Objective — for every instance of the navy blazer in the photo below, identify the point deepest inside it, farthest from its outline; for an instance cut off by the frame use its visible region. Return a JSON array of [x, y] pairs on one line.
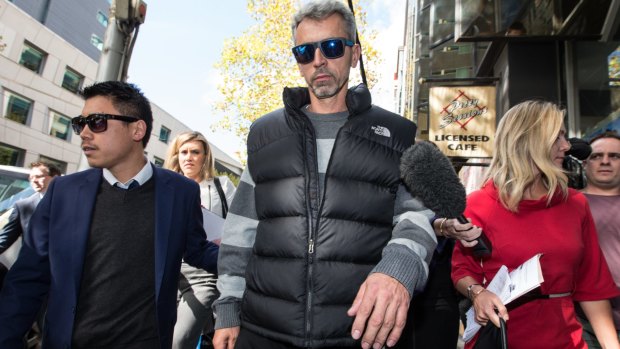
[[18, 220], [51, 259]]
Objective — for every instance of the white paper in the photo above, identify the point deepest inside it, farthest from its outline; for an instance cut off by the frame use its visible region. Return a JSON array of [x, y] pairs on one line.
[[525, 278], [213, 225], [508, 287]]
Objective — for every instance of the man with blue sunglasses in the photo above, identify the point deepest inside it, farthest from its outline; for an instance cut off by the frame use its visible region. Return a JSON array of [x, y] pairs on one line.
[[323, 246]]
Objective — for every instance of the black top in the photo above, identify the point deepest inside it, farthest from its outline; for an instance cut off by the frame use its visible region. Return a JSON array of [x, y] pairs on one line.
[[116, 304]]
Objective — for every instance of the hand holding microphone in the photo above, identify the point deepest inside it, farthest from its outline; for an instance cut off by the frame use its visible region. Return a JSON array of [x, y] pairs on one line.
[[428, 175], [467, 233]]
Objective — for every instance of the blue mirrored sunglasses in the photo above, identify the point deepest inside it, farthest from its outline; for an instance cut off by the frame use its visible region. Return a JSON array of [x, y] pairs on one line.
[[330, 48]]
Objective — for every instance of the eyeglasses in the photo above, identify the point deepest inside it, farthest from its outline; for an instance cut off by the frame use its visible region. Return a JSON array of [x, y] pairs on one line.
[[330, 48], [97, 122]]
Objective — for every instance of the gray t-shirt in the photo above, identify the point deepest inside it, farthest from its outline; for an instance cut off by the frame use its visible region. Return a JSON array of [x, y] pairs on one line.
[[326, 127]]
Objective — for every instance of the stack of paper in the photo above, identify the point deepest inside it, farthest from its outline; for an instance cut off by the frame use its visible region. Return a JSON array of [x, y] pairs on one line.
[[508, 287], [213, 225]]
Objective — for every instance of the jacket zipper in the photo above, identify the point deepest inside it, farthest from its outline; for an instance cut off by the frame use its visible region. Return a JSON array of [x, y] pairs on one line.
[[311, 235], [314, 230]]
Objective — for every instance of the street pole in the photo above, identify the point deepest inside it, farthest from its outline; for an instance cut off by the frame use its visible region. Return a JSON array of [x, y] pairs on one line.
[[113, 52], [124, 20]]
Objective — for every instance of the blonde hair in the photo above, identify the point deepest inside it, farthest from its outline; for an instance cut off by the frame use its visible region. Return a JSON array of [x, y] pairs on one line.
[[172, 158], [523, 143]]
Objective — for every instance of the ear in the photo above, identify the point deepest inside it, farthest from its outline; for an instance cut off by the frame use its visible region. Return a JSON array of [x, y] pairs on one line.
[[355, 55], [138, 131]]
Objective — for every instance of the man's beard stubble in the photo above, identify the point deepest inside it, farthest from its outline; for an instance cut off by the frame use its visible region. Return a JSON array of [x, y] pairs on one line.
[[326, 89]]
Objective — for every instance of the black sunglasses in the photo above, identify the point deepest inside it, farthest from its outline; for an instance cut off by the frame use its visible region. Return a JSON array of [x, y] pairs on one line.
[[97, 122], [330, 48]]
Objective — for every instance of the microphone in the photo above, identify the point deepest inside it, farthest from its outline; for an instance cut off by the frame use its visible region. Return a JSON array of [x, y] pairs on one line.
[[429, 176], [579, 148]]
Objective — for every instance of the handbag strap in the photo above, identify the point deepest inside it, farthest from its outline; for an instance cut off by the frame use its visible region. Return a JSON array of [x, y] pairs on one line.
[[503, 333], [220, 191]]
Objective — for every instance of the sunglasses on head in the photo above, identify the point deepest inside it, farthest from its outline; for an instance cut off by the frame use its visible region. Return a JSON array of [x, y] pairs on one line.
[[330, 48], [97, 122]]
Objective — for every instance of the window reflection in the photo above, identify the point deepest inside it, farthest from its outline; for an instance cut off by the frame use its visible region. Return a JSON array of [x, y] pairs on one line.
[[72, 81], [32, 58], [598, 77], [614, 67], [484, 19], [16, 108], [60, 126]]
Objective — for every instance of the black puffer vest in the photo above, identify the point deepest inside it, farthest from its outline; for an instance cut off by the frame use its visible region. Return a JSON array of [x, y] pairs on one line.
[[310, 258]]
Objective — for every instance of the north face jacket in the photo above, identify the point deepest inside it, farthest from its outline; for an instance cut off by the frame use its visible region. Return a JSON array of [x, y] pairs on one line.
[[309, 257]]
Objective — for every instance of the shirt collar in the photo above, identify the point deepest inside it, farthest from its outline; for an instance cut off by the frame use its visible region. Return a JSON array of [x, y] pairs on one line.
[[141, 177]]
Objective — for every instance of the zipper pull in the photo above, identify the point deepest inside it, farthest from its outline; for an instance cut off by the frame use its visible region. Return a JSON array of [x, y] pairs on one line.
[[311, 247]]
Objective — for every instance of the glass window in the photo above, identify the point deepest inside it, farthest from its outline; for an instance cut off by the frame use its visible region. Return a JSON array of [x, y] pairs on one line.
[[17, 108], [159, 162], [164, 134], [102, 18], [72, 81], [96, 41], [11, 156], [32, 58], [597, 71], [483, 19], [452, 55], [61, 126], [14, 184], [443, 72], [463, 72], [442, 21]]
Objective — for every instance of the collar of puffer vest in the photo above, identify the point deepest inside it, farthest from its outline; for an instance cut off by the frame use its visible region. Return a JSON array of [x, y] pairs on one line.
[[358, 99]]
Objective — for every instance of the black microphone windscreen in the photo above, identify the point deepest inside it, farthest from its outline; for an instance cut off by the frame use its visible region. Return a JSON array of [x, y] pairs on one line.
[[429, 176], [579, 148]]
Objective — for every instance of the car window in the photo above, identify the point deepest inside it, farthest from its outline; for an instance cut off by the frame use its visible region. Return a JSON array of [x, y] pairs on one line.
[[14, 185]]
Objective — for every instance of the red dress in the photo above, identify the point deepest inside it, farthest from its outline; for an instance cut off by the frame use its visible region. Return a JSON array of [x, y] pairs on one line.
[[572, 262]]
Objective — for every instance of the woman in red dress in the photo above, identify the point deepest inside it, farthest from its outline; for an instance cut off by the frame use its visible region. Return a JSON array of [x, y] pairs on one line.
[[525, 207]]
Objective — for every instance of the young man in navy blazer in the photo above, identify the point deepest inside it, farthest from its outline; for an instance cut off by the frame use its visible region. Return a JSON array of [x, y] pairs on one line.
[[105, 245]]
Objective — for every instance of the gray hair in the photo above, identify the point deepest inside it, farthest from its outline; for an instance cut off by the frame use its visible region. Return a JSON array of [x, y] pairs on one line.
[[321, 9]]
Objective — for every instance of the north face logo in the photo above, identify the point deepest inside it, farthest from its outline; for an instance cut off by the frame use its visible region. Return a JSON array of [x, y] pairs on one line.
[[381, 131]]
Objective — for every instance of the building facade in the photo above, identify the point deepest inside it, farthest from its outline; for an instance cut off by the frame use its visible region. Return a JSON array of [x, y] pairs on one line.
[[48, 52], [81, 23], [562, 51]]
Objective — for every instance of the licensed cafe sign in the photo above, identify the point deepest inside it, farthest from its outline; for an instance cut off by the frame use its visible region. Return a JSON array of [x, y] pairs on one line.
[[462, 120]]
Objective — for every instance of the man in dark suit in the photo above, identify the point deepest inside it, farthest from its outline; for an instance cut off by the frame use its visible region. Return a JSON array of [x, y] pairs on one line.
[[105, 245], [41, 174]]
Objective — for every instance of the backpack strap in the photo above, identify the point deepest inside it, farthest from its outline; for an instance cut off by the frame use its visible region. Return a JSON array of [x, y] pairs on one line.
[[220, 191]]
